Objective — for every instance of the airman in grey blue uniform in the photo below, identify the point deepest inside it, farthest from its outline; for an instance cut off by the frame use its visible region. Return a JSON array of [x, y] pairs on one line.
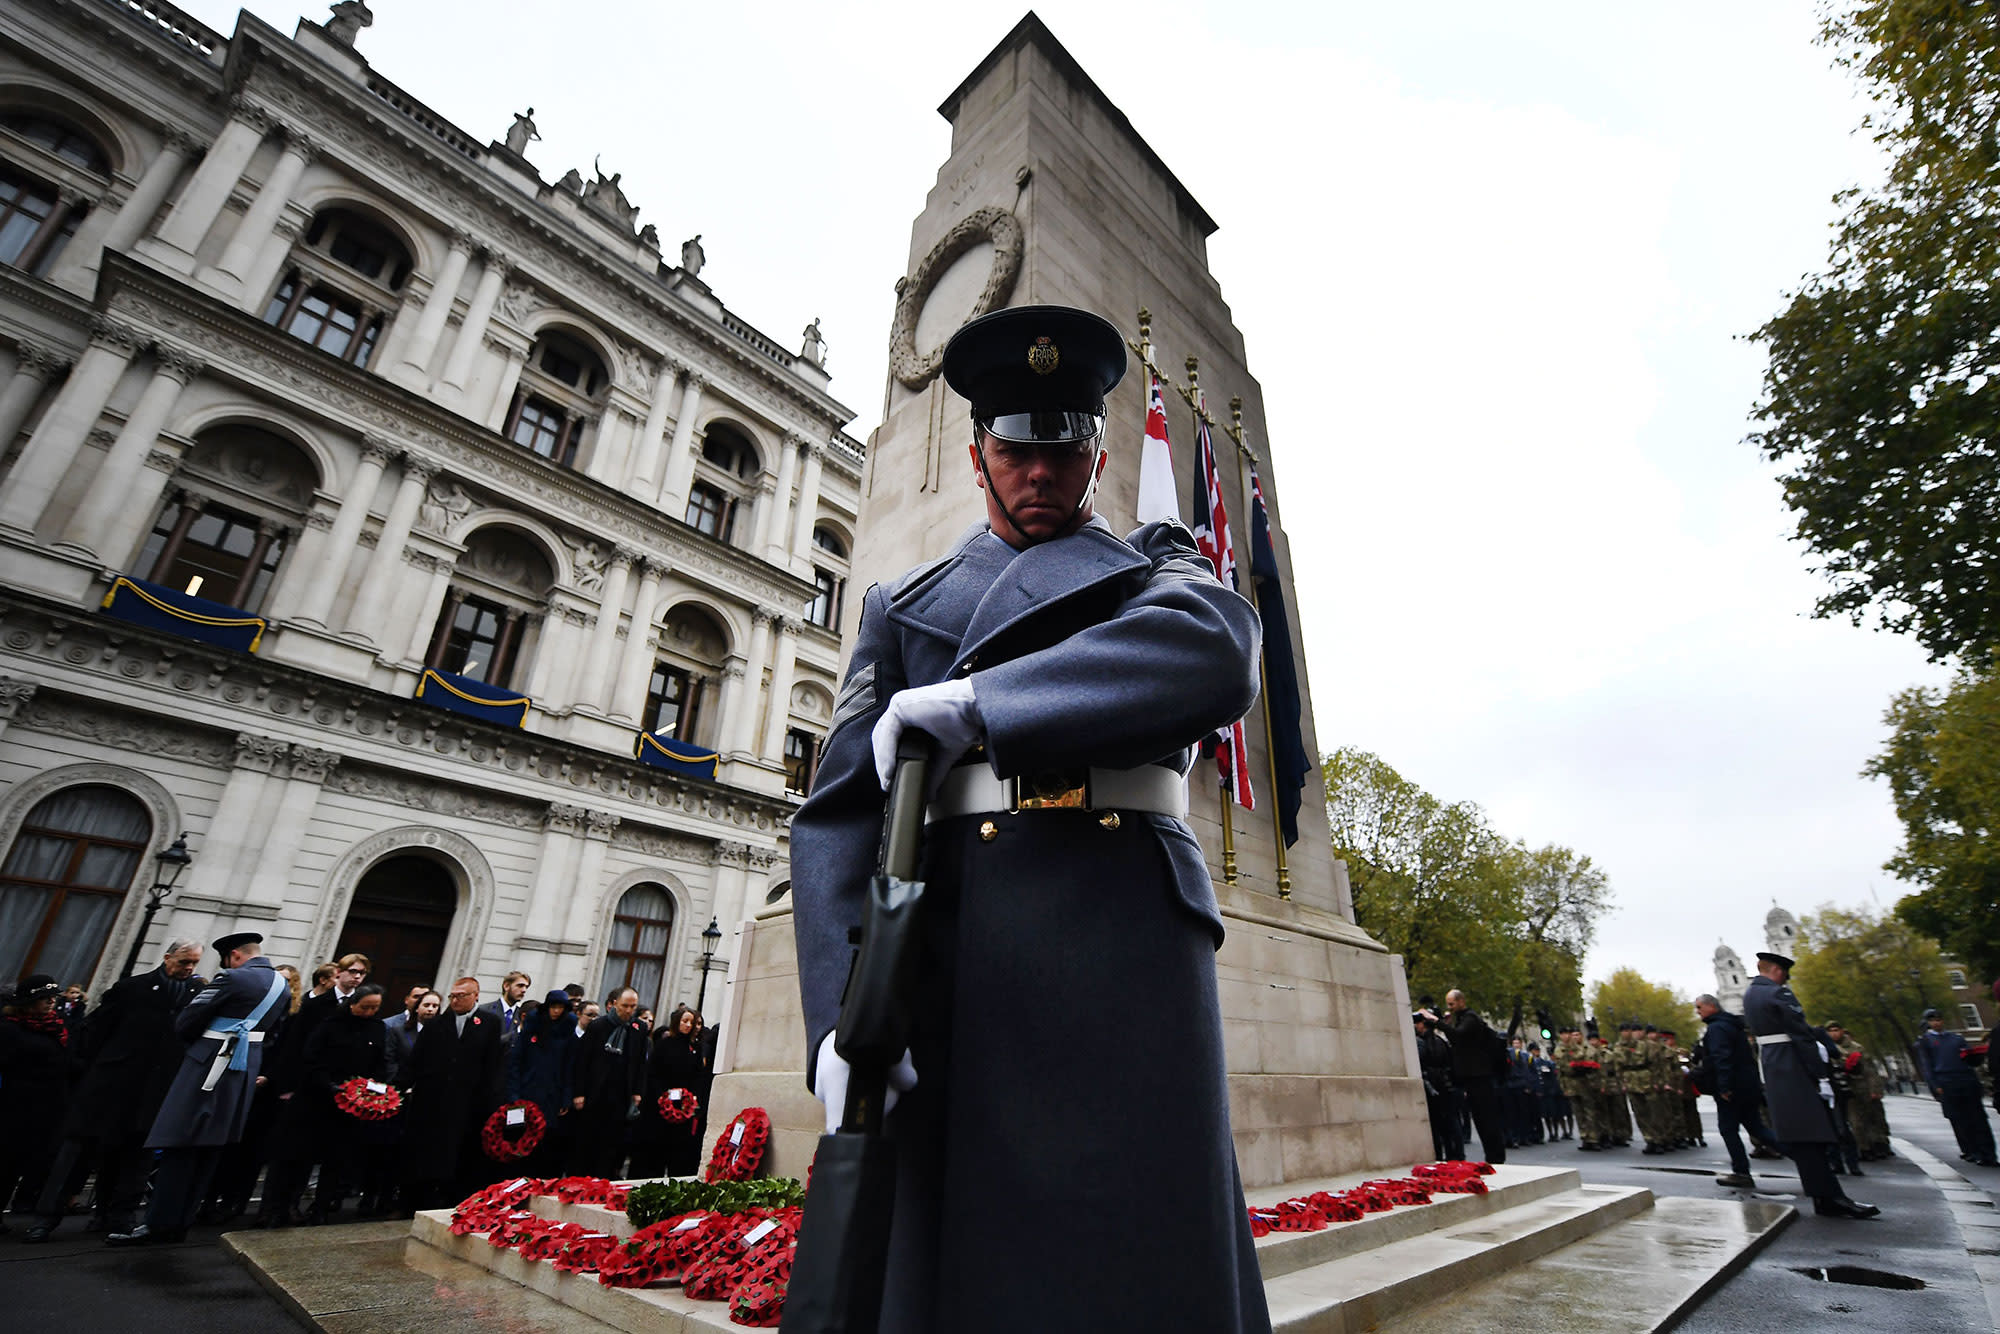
[[1795, 1071], [1064, 1146]]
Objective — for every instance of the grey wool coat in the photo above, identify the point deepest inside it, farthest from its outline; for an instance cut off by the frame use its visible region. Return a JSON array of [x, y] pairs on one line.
[[190, 1118], [1065, 1159], [1792, 1070]]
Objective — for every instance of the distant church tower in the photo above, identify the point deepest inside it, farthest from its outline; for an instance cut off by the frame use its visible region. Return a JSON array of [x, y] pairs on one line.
[[1781, 932], [1729, 979]]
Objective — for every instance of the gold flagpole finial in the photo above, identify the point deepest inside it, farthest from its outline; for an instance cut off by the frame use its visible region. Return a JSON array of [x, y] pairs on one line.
[[1194, 374], [1145, 325], [1236, 415]]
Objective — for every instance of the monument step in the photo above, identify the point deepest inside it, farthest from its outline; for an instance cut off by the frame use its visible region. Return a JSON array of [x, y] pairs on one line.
[[1642, 1274], [1359, 1291], [1282, 1253]]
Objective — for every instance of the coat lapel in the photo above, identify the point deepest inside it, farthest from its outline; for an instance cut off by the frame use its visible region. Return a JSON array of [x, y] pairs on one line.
[[943, 601], [1041, 579]]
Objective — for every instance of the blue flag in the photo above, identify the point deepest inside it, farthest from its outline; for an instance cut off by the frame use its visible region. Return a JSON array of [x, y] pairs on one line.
[[1281, 679]]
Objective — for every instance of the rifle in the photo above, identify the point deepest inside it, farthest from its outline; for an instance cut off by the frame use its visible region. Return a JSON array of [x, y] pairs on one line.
[[837, 1273]]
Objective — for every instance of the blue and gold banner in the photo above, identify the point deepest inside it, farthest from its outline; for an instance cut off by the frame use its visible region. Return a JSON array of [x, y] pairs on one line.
[[680, 757], [473, 698], [158, 607]]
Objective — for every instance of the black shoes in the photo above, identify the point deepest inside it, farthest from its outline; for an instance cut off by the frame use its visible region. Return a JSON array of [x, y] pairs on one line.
[[1736, 1179], [1839, 1206]]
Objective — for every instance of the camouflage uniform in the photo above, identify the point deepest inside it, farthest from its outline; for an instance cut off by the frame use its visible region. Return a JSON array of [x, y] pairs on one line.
[[1866, 1116], [1635, 1081], [1579, 1086], [1689, 1102], [1611, 1093]]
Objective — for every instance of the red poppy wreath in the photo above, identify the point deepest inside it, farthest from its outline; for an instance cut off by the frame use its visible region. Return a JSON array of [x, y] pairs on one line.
[[739, 1149], [679, 1107], [512, 1132], [368, 1099]]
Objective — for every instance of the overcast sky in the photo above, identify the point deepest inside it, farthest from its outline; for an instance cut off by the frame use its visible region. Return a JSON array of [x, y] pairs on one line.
[[1493, 265]]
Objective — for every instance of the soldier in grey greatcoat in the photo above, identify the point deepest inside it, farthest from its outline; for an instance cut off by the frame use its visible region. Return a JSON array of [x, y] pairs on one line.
[[1796, 1090], [1086, 1181], [224, 1027]]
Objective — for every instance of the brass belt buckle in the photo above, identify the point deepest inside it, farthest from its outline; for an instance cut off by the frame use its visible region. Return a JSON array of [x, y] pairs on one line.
[[1052, 790]]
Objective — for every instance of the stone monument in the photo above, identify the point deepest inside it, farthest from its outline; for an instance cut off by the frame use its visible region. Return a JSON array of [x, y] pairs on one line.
[[1050, 195]]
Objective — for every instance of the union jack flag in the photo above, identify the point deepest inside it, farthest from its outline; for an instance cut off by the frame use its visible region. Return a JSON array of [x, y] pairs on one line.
[[1211, 534]]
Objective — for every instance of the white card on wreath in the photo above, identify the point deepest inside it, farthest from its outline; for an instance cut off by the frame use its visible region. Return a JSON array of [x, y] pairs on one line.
[[517, 1116]]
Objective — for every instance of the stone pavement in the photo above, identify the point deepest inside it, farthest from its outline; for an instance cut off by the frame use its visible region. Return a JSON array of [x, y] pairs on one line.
[[75, 1281]]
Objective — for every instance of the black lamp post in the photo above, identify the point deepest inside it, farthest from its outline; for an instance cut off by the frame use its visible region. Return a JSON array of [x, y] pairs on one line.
[[172, 861], [709, 940]]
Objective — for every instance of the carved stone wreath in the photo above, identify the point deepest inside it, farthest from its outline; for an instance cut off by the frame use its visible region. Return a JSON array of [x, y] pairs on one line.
[[987, 224]]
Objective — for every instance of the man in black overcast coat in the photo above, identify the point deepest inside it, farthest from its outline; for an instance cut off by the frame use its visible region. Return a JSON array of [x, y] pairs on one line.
[[1477, 1057], [455, 1078], [610, 1079]]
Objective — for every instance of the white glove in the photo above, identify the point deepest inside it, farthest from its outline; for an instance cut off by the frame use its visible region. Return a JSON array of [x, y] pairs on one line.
[[946, 710], [830, 1082]]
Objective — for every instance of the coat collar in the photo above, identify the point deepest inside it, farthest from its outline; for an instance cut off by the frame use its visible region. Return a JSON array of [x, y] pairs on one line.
[[985, 587]]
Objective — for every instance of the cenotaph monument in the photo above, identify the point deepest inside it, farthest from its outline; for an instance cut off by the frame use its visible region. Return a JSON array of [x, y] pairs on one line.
[[1050, 196]]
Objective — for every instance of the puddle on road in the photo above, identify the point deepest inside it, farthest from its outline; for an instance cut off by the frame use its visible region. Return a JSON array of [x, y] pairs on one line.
[[1681, 1171], [1860, 1277]]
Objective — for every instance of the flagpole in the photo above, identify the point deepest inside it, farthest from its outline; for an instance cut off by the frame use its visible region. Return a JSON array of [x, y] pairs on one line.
[[1244, 457], [1193, 396]]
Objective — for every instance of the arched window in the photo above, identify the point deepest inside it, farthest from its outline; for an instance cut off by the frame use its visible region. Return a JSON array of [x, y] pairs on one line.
[[825, 539], [341, 284], [728, 470], [65, 876], [50, 170], [559, 397], [223, 534], [640, 933], [692, 646], [493, 606]]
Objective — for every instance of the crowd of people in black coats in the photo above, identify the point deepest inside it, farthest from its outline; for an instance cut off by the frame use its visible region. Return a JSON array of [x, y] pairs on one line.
[[80, 1086]]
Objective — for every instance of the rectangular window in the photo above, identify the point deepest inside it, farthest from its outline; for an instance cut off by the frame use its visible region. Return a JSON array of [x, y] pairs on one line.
[[801, 760], [324, 318], [475, 638], [1968, 1016], [1957, 979], [707, 511], [825, 608], [220, 555], [670, 701]]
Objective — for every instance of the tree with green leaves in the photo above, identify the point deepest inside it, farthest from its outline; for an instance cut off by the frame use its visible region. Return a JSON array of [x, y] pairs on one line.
[[1625, 997], [1880, 397], [1875, 975], [1464, 907], [1942, 764]]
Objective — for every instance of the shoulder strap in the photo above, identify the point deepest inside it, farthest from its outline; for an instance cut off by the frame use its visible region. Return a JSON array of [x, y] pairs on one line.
[[278, 987]]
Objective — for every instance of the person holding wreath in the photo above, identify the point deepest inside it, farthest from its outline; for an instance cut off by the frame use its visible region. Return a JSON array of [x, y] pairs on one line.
[[541, 1068], [678, 1064]]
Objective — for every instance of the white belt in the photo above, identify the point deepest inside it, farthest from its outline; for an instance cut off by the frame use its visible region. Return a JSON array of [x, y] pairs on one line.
[[223, 1053], [224, 1034], [1772, 1039], [971, 789]]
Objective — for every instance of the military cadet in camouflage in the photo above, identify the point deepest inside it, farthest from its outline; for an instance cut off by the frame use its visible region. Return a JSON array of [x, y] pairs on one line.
[[1576, 1072], [1866, 1117], [1684, 1102], [1614, 1116]]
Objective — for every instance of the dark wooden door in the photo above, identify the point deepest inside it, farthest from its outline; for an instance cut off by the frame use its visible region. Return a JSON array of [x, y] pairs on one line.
[[400, 918]]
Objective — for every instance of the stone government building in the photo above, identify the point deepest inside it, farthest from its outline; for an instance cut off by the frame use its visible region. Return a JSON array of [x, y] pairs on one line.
[[310, 404]]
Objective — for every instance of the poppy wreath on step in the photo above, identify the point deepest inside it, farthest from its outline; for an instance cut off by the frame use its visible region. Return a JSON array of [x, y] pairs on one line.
[[506, 1138], [739, 1149], [368, 1099], [679, 1107], [736, 1258], [760, 1303]]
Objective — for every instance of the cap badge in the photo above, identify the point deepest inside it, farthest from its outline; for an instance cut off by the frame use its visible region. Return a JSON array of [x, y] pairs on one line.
[[1043, 356]]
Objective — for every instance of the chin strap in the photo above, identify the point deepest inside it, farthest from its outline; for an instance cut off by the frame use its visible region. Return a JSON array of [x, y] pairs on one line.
[[1096, 474]]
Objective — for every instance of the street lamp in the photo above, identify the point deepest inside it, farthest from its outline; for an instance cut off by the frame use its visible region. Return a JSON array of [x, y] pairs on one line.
[[709, 940], [172, 861]]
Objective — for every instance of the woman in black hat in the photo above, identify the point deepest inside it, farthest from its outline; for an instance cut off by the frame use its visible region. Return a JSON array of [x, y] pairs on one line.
[[541, 1065], [36, 1067]]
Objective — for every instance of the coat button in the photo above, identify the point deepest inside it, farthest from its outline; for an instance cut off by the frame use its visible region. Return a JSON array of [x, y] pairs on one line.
[[988, 831], [1109, 819]]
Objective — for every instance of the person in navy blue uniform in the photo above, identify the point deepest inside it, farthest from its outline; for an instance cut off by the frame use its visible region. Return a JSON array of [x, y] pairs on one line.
[[1797, 1089], [1942, 1061], [205, 1108], [1066, 675]]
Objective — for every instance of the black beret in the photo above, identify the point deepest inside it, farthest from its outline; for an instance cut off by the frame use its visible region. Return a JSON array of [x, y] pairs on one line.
[[1035, 359], [236, 940]]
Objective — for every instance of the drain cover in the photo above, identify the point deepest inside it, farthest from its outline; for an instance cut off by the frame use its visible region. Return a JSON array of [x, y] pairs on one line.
[[1860, 1277]]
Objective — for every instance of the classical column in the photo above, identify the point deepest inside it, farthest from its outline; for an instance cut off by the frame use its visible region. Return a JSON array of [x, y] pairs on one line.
[[34, 367], [728, 704], [231, 830], [773, 549], [14, 696], [644, 477], [210, 186], [583, 889], [389, 352], [768, 504], [680, 454], [108, 518], [146, 197], [68, 202], [79, 258], [552, 649], [783, 665], [742, 719], [549, 890], [424, 624], [262, 215], [802, 530], [51, 450], [385, 570], [599, 656], [628, 696], [492, 271], [262, 278], [512, 358], [732, 879], [275, 863], [437, 308], [345, 538], [607, 456]]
